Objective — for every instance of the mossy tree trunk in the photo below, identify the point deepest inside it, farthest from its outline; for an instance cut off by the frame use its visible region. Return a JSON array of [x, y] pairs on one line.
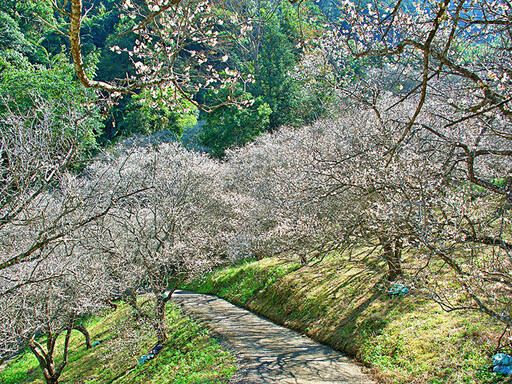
[[160, 321], [393, 255], [81, 328]]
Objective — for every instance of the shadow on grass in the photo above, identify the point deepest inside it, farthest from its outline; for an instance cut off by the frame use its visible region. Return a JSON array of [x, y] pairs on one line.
[[122, 374], [330, 303]]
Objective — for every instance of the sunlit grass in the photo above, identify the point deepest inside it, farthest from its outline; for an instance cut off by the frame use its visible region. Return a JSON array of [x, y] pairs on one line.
[[189, 356], [344, 304]]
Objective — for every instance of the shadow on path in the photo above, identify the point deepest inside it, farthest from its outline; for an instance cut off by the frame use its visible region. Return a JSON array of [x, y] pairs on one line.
[[269, 353]]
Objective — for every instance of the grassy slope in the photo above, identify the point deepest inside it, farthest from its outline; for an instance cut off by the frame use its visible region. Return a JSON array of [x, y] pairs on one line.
[[189, 356], [402, 340]]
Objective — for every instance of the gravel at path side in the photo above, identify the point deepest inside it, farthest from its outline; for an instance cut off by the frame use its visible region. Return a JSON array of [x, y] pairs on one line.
[[269, 353]]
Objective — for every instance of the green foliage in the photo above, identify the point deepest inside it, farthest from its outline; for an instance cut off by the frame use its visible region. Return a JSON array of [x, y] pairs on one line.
[[22, 32], [54, 83], [23, 85], [25, 41], [229, 126], [25, 14], [100, 25], [281, 50], [113, 65], [189, 356], [11, 36], [146, 115], [11, 58], [279, 99], [272, 81]]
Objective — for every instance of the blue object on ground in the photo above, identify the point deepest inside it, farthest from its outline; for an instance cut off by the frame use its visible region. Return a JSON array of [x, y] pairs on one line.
[[143, 359], [96, 343], [398, 289], [151, 354], [501, 359], [155, 350], [506, 369], [502, 363]]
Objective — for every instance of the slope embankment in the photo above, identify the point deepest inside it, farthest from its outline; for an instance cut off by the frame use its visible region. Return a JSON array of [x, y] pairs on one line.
[[344, 304], [119, 340]]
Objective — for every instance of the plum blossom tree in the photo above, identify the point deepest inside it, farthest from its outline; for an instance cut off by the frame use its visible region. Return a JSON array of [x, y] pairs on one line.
[[47, 280], [181, 47], [55, 294], [332, 186], [327, 188], [37, 149], [172, 230], [452, 56], [436, 77], [283, 214]]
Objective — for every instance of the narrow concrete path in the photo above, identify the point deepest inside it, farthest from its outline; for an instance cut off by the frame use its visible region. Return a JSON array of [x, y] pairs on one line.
[[269, 353]]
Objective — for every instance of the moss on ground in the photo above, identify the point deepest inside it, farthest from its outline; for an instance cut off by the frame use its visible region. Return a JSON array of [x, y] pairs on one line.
[[188, 357], [344, 304]]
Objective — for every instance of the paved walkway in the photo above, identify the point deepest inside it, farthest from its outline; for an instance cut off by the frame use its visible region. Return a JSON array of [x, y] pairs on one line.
[[269, 353]]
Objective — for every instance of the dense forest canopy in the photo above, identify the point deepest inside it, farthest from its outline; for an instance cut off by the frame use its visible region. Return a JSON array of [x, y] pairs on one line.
[[208, 66], [145, 142]]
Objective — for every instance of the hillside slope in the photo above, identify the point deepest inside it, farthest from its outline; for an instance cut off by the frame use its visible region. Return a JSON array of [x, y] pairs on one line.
[[188, 357], [344, 304]]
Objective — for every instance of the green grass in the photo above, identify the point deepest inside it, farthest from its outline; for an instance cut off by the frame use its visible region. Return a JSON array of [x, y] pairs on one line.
[[343, 304], [188, 357]]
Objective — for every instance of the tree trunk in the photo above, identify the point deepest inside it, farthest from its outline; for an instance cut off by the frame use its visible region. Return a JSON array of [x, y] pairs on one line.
[[80, 328], [46, 358], [259, 255], [112, 304], [393, 257], [160, 322]]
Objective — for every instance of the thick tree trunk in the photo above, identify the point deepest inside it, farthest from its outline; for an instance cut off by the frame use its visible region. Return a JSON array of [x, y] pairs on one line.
[[393, 257], [259, 255], [45, 359], [112, 304], [160, 322], [80, 328]]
